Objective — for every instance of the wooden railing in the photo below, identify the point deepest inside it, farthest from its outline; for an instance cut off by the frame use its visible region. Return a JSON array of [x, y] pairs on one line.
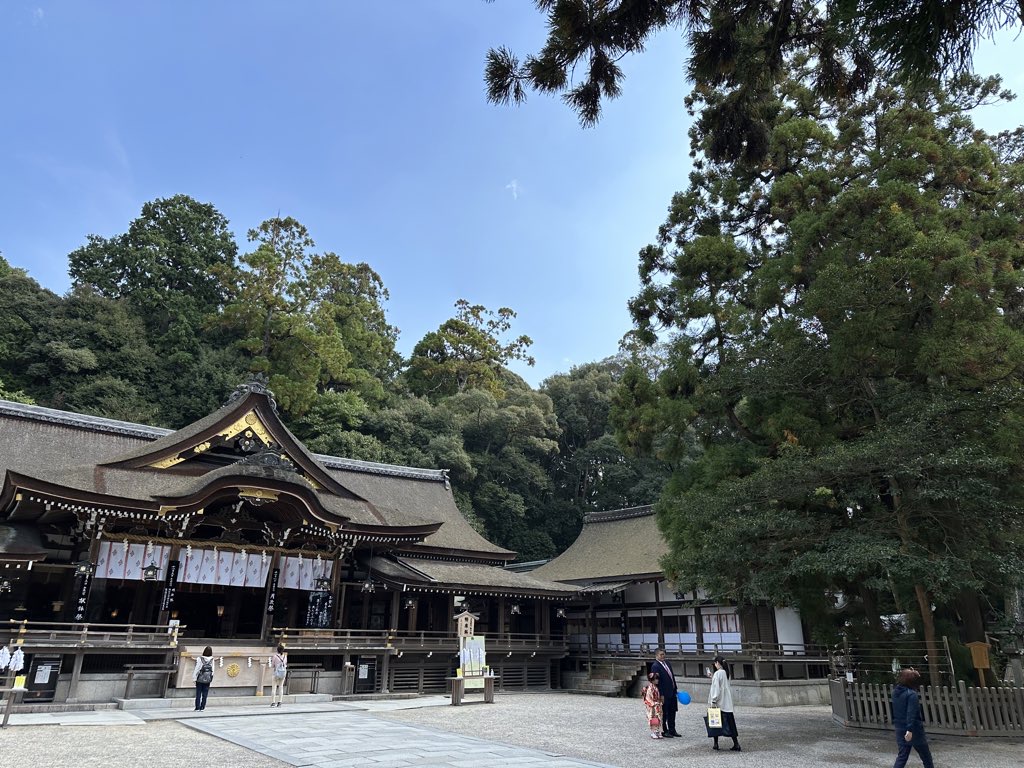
[[958, 710], [734, 652], [331, 639], [46, 634], [403, 640]]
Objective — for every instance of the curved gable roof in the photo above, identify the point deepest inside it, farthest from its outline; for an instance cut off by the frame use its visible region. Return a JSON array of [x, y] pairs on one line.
[[618, 545]]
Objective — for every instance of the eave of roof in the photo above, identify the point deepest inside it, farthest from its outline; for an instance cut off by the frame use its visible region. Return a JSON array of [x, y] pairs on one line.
[[411, 574]]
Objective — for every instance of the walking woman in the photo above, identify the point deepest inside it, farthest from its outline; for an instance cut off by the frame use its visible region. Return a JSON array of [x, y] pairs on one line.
[[278, 673], [906, 717], [202, 677], [721, 697]]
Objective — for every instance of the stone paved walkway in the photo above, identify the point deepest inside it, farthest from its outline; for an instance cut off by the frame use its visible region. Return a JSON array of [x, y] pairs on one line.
[[354, 740]]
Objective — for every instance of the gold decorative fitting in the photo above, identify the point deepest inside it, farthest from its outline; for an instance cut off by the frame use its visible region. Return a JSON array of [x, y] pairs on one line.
[[168, 462], [233, 670], [202, 447], [257, 493], [249, 422]]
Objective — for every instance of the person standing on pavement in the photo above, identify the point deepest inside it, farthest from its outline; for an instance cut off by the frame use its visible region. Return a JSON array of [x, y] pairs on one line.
[[278, 673], [653, 705], [906, 718], [667, 687], [720, 696], [202, 677]]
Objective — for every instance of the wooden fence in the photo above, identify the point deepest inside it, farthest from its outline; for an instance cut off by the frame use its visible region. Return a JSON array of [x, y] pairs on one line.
[[959, 711]]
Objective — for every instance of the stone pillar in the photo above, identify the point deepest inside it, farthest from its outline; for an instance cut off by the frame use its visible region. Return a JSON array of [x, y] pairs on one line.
[[76, 675]]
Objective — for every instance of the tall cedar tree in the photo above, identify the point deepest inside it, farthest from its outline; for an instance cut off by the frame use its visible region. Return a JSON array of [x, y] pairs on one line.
[[848, 351]]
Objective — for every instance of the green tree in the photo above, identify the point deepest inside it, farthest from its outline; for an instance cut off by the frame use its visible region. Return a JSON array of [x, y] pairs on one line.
[[173, 264], [743, 47], [847, 354], [286, 331], [591, 471], [466, 352], [174, 269]]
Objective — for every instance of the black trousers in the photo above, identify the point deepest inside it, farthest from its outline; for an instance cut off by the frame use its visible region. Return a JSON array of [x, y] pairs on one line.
[[669, 709]]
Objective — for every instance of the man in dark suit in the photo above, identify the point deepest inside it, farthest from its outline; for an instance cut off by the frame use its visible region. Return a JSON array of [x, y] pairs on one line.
[[667, 688]]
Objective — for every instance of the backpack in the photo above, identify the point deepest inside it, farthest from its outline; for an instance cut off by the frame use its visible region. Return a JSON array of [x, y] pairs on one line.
[[280, 669], [205, 672]]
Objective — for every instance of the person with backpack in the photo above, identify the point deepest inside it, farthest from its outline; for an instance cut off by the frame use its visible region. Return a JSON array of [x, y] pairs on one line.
[[202, 677], [278, 673]]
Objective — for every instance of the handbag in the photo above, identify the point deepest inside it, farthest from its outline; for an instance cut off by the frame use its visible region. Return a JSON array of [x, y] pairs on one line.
[[713, 733], [714, 717]]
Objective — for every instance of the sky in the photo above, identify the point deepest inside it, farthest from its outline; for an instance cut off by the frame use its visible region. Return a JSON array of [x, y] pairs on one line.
[[367, 122]]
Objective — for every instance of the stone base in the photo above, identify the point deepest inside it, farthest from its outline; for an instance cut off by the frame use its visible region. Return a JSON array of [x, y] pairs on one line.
[[767, 693]]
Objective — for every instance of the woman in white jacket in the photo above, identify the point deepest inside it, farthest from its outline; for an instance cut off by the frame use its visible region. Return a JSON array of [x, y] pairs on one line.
[[278, 673], [721, 697], [202, 677]]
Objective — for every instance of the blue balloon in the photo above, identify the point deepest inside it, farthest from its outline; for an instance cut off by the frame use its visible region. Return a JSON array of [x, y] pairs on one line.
[[684, 697]]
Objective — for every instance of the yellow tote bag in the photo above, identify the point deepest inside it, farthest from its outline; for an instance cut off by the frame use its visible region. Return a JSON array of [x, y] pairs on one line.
[[714, 717]]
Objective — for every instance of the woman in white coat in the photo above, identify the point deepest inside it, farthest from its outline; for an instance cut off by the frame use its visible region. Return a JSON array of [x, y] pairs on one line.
[[721, 697]]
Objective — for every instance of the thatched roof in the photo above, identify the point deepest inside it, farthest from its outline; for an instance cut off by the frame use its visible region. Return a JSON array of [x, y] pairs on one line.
[[616, 546]]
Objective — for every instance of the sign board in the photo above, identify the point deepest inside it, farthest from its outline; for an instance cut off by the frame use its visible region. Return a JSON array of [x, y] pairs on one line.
[[473, 660], [275, 575], [82, 596], [364, 671], [170, 585], [318, 610]]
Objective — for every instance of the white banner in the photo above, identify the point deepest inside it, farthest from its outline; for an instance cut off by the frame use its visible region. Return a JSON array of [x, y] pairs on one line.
[[302, 573], [224, 568], [115, 561]]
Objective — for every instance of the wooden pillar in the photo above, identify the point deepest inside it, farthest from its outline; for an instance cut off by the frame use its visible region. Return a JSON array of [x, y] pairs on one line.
[[410, 623], [337, 607], [341, 611], [396, 598], [698, 624], [660, 614], [501, 617]]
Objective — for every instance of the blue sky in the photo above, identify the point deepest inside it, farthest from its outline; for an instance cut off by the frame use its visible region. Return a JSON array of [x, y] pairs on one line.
[[367, 122]]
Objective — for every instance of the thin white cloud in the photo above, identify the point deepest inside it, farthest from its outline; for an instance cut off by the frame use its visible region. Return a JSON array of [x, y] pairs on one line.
[[38, 14], [515, 188]]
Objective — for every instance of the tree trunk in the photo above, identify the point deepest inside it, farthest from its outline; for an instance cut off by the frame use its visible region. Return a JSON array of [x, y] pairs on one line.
[[969, 608], [924, 604]]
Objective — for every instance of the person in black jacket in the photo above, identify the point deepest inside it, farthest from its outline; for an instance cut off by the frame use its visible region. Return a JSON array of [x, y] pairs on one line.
[[667, 687], [906, 717]]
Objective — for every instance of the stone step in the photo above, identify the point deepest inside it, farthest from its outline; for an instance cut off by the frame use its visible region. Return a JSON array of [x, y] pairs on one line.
[[221, 701]]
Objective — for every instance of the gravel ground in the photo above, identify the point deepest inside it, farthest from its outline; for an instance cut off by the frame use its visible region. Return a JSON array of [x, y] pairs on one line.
[[153, 745], [614, 731]]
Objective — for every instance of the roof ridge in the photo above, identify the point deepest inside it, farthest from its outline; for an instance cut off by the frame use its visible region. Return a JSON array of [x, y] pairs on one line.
[[81, 420], [145, 431], [618, 514]]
